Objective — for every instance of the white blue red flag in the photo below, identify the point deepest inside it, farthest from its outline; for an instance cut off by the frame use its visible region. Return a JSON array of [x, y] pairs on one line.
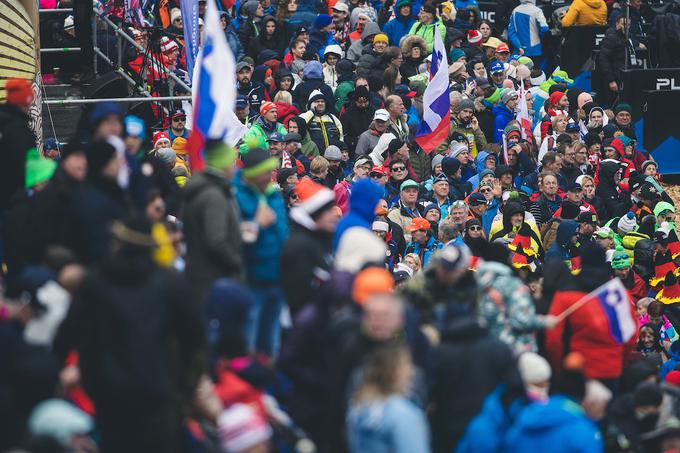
[[434, 128], [189, 10], [523, 114], [614, 300], [213, 92]]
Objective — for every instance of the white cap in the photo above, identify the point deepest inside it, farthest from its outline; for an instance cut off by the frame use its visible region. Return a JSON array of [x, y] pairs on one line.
[[533, 368], [379, 225], [382, 115], [335, 49], [341, 7]]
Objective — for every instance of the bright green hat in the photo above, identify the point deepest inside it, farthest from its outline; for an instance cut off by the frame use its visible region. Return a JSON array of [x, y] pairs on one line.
[[219, 155], [663, 206], [38, 169], [620, 259]]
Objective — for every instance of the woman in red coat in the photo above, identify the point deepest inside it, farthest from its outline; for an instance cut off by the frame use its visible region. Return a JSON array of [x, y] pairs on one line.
[[587, 330]]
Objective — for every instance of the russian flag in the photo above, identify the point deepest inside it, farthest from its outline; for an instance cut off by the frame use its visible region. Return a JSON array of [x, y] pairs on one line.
[[613, 298], [434, 128], [213, 92]]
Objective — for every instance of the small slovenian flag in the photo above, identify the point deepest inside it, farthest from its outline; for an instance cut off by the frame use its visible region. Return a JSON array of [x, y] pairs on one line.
[[614, 300], [214, 92], [434, 128]]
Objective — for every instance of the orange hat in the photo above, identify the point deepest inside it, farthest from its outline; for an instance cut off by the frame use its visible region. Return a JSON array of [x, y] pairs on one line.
[[266, 107], [179, 144], [503, 48], [314, 198], [371, 282], [418, 223], [19, 92]]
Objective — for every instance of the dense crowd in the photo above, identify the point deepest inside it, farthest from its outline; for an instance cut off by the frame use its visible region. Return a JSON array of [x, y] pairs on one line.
[[327, 284]]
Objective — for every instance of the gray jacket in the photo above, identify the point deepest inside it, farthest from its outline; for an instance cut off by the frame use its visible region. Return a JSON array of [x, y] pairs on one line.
[[212, 228], [357, 48]]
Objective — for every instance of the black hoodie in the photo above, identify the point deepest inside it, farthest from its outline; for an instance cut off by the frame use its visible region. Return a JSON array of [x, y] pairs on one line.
[[616, 203]]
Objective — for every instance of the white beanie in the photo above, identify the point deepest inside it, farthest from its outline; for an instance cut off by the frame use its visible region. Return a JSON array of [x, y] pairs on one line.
[[175, 13], [455, 148], [627, 223], [533, 368]]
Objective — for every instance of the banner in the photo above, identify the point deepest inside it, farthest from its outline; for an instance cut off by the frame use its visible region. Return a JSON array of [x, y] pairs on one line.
[[190, 20]]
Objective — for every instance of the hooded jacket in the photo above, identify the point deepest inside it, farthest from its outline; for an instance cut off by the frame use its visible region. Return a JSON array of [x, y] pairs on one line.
[[397, 28], [558, 426], [616, 203], [362, 203], [410, 65], [560, 248], [356, 49], [502, 116], [525, 27], [213, 233], [258, 134], [312, 79], [612, 57], [585, 12]]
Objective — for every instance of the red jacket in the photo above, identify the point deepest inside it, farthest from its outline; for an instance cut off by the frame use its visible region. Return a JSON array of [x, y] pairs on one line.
[[587, 332]]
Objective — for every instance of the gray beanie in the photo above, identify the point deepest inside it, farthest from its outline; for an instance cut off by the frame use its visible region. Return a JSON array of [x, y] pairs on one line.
[[437, 160], [465, 104], [167, 155], [455, 148]]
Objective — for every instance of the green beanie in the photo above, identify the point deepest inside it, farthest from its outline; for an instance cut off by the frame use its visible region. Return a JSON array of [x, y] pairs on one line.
[[620, 259], [495, 97], [38, 169], [219, 155]]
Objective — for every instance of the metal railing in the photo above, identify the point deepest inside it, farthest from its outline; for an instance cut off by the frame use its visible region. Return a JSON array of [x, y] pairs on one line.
[[94, 101], [60, 50]]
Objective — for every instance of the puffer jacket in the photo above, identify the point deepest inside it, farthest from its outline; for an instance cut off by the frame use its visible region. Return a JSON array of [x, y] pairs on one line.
[[262, 257], [397, 28], [258, 134], [370, 63], [410, 65], [502, 116], [585, 12], [324, 130], [356, 49]]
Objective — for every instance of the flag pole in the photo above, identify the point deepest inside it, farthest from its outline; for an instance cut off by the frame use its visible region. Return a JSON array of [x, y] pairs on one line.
[[578, 304]]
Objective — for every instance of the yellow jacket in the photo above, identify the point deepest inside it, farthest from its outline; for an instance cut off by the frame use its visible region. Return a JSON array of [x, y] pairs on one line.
[[586, 12]]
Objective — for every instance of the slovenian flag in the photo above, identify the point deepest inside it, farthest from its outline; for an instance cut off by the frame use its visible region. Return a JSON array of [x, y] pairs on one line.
[[614, 300], [213, 92], [434, 128]]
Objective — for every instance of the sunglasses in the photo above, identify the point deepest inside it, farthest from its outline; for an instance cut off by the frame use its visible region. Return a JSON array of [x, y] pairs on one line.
[[487, 190], [398, 168], [180, 119], [475, 228], [377, 175]]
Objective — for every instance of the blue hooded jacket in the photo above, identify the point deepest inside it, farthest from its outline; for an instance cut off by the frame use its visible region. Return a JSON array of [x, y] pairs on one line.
[[397, 28], [502, 116], [673, 361], [558, 426], [362, 202], [558, 250], [262, 256], [480, 162]]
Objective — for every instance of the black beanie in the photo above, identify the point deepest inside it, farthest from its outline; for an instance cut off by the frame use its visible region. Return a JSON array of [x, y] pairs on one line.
[[450, 166], [98, 155], [592, 255], [592, 138], [394, 146], [647, 394]]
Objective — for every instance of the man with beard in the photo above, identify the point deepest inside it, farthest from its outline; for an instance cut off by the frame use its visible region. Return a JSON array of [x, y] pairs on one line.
[[463, 121], [254, 92], [324, 128]]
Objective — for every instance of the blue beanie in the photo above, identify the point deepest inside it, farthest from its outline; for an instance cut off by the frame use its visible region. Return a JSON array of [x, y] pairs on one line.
[[103, 109], [322, 20]]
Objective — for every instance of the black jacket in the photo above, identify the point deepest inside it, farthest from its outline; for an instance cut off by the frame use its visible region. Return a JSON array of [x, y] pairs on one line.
[[616, 203], [612, 55], [466, 367], [355, 121], [16, 138], [305, 263]]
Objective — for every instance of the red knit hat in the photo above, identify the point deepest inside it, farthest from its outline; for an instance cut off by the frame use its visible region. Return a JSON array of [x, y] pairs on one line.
[[160, 135], [474, 37], [673, 378], [168, 45], [19, 92], [554, 98], [266, 107]]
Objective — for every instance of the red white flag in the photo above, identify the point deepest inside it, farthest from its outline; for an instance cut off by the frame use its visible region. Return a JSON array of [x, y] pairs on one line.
[[523, 114]]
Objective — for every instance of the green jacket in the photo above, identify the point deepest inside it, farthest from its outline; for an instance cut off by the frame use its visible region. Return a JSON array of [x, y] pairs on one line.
[[421, 164], [309, 148], [475, 137], [342, 92], [426, 31], [257, 135]]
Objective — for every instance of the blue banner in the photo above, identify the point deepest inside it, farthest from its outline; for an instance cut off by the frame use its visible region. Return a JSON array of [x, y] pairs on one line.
[[190, 19]]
